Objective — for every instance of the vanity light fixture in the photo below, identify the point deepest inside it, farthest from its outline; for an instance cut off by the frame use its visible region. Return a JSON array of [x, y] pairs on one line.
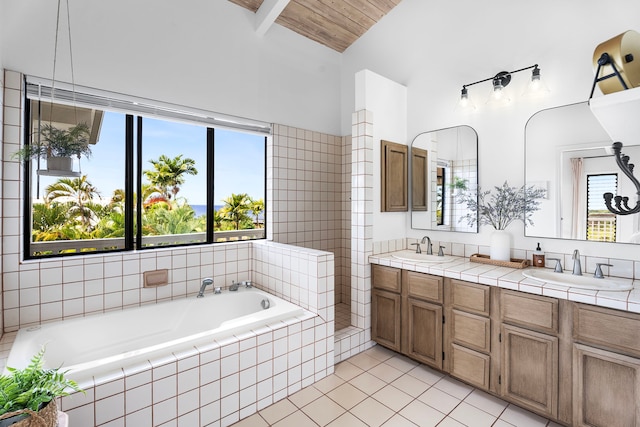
[[500, 81]]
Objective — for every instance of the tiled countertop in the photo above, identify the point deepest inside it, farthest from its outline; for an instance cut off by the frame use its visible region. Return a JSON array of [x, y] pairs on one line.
[[512, 278]]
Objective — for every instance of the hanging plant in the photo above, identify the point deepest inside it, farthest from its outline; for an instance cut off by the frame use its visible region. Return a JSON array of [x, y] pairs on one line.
[[58, 142]]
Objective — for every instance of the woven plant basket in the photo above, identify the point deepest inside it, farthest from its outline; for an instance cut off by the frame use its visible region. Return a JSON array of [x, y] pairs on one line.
[[45, 417]]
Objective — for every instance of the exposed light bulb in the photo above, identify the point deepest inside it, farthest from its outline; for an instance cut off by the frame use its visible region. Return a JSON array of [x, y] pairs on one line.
[[498, 96], [465, 103], [536, 86]]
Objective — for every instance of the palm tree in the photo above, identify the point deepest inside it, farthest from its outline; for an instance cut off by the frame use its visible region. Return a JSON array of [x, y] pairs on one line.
[[78, 193], [257, 207], [169, 174], [236, 209]]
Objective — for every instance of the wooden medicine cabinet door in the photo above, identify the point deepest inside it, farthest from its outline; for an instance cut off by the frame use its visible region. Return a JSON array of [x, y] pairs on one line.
[[394, 173], [419, 182]]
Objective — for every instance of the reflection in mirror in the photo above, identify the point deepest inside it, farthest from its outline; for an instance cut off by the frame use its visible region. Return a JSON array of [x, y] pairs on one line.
[[451, 167], [569, 153]]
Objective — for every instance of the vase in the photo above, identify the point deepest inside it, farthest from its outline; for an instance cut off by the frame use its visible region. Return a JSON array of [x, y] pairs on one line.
[[500, 248]]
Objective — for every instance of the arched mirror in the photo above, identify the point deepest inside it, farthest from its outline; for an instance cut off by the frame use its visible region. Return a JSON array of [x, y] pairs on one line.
[[569, 153], [444, 164]]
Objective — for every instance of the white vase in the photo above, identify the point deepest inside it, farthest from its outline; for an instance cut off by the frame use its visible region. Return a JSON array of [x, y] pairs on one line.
[[60, 163], [500, 249]]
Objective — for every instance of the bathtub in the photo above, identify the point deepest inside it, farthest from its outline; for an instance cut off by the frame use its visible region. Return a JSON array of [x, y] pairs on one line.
[[99, 344]]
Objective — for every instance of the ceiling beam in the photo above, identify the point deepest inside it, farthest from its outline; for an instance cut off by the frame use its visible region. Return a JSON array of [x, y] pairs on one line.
[[267, 14]]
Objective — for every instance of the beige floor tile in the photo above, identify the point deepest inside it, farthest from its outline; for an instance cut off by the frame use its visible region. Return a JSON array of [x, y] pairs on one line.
[[410, 385], [254, 420], [398, 421], [380, 353], [347, 370], [278, 411], [386, 373], [323, 410], [401, 363], [364, 361], [371, 412], [422, 414], [426, 374], [450, 422], [328, 383], [392, 398], [297, 419], [439, 400], [347, 395], [486, 402], [472, 416], [501, 423], [305, 396], [453, 387], [346, 420], [368, 383], [522, 418]]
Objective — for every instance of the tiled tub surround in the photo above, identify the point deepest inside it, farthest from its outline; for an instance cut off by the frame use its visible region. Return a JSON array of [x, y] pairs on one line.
[[218, 383]]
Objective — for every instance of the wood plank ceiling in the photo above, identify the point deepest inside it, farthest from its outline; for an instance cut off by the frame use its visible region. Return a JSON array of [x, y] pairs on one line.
[[333, 23]]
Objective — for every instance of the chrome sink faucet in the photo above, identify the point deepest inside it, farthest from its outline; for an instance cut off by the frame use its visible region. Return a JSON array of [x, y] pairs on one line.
[[206, 282], [577, 267], [427, 240], [234, 285]]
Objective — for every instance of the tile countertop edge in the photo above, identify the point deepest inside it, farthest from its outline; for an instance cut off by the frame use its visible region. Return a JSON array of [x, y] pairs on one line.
[[512, 278]]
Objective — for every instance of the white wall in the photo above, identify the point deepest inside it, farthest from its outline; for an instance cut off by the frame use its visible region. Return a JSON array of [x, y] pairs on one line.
[[434, 49], [387, 101], [203, 54]]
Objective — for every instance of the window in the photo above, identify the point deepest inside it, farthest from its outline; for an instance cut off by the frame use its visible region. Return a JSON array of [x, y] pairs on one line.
[[601, 224], [145, 181]]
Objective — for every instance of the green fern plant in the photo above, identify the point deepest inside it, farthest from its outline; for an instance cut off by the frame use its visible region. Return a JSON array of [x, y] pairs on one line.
[[33, 387]]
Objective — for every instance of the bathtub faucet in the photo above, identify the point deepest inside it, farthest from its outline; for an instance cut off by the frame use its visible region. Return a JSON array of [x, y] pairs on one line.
[[206, 282], [234, 285]]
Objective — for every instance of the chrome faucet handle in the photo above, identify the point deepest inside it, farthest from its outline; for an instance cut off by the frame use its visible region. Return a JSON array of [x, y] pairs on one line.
[[440, 251], [598, 273], [418, 248], [558, 267], [248, 284], [217, 290]]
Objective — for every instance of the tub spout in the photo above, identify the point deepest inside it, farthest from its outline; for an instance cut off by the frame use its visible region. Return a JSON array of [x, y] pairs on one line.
[[206, 282]]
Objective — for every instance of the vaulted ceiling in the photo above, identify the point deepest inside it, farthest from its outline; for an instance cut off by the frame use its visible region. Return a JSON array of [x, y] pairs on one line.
[[333, 23]]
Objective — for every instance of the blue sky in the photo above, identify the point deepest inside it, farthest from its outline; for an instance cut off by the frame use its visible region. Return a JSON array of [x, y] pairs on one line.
[[239, 158]]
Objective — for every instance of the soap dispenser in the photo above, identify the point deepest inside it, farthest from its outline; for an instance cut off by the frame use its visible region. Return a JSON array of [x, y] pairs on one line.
[[538, 257]]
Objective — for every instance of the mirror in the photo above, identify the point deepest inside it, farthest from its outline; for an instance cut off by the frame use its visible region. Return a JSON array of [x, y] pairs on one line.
[[568, 153], [444, 163]]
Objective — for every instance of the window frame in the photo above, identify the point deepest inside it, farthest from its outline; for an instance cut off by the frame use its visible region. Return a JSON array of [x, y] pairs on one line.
[[133, 239]]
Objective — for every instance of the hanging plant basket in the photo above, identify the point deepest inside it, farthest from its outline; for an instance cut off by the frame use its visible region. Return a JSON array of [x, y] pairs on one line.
[[45, 417], [56, 163]]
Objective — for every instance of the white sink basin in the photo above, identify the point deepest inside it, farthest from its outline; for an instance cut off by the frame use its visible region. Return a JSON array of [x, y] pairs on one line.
[[583, 282], [413, 256]]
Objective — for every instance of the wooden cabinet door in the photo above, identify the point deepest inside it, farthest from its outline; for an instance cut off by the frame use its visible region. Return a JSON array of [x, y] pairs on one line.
[[385, 319], [423, 336], [470, 366], [606, 388], [529, 369], [394, 173], [419, 179]]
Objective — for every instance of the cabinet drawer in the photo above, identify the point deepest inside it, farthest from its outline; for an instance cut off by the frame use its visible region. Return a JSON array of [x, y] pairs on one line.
[[470, 366], [532, 311], [470, 297], [471, 330], [423, 286], [387, 278], [608, 328]]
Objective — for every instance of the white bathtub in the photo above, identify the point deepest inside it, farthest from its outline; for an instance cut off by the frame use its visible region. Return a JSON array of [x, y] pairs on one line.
[[99, 344]]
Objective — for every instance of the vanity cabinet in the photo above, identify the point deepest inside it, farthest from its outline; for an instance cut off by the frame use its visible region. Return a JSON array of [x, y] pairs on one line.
[[422, 311], [606, 367], [469, 332], [529, 351], [385, 306]]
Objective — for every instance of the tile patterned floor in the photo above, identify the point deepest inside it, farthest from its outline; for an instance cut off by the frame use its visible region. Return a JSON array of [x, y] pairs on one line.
[[381, 388], [342, 316]]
